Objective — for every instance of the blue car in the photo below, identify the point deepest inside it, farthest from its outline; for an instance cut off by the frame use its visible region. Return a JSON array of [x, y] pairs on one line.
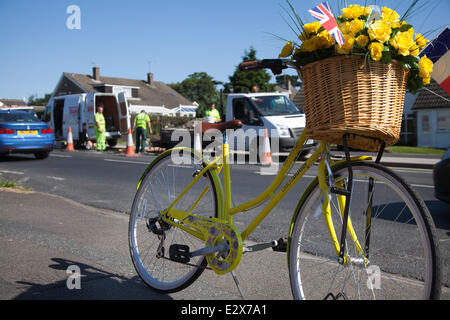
[[22, 132]]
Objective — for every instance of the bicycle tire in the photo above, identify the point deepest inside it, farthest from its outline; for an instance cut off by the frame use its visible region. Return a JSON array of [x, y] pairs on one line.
[[164, 283], [311, 263]]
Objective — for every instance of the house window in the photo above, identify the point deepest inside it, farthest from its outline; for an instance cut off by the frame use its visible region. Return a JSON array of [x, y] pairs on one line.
[[425, 123], [443, 122]]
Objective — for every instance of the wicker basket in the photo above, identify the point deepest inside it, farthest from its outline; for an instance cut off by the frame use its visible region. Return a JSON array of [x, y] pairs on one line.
[[345, 94]]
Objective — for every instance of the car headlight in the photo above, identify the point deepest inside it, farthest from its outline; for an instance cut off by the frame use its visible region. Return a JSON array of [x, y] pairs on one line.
[[284, 132]]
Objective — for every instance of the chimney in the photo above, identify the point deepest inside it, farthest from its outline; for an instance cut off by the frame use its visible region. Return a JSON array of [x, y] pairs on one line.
[[96, 73], [149, 78]]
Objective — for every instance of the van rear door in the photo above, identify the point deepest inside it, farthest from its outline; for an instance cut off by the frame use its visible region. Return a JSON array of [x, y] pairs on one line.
[[71, 116], [123, 113], [90, 112]]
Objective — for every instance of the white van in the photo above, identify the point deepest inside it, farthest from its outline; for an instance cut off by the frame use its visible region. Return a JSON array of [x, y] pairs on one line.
[[272, 111], [77, 111]]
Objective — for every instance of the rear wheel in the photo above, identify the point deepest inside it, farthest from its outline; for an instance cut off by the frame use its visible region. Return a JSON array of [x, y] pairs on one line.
[[401, 248], [150, 238]]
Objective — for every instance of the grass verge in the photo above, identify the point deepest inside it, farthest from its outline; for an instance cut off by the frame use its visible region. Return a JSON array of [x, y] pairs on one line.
[[405, 149]]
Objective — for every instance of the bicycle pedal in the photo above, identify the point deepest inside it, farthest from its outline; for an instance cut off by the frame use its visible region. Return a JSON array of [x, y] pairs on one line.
[[179, 253], [281, 245]]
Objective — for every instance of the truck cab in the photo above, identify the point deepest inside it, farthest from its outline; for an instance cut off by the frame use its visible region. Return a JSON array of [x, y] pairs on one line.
[[272, 111]]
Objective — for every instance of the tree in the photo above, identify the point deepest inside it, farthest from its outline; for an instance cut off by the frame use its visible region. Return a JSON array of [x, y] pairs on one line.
[[245, 81], [33, 100], [284, 78], [201, 88]]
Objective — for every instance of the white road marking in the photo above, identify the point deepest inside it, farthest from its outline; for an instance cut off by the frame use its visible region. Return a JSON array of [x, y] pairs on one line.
[[59, 156], [11, 172], [56, 178], [125, 161]]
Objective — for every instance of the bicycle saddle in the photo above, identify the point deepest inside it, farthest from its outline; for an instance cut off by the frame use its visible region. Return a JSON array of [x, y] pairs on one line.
[[222, 126]]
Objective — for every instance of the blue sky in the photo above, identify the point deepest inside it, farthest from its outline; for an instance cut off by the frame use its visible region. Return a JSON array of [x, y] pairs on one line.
[[170, 38]]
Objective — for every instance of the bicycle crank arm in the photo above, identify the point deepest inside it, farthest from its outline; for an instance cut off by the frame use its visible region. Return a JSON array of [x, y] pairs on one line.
[[222, 247], [260, 246]]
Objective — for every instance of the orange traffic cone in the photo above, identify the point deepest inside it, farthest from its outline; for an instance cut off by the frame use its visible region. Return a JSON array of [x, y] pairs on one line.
[[69, 146], [130, 146], [265, 155], [197, 143]]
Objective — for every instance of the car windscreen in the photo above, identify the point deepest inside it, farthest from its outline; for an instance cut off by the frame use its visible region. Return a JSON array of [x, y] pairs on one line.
[[21, 117], [274, 105]]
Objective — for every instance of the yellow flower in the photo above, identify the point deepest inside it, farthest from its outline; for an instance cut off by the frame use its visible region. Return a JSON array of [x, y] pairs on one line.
[[309, 29], [362, 40], [346, 48], [421, 41], [426, 67], [414, 51], [380, 31], [389, 15], [309, 45], [356, 26], [345, 27], [403, 42], [287, 50], [353, 11], [376, 50], [324, 40], [426, 80]]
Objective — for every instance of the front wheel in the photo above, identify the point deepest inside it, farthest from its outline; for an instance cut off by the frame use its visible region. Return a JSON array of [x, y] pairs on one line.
[[151, 238], [396, 254]]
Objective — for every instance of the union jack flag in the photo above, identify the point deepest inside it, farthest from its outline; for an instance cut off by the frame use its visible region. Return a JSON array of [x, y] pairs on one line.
[[326, 18]]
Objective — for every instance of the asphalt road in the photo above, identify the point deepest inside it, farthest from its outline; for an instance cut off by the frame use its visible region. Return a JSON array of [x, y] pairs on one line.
[[108, 181]]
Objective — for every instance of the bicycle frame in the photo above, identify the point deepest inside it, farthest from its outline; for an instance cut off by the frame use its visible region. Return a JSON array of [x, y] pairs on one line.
[[226, 210]]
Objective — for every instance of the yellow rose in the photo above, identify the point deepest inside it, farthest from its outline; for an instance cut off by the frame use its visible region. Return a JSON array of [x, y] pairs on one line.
[[380, 31], [389, 15], [426, 80], [356, 26], [426, 67], [287, 50], [309, 45], [346, 27], [353, 11], [346, 48], [376, 50], [324, 40], [421, 41], [414, 51], [403, 42], [362, 40], [309, 29]]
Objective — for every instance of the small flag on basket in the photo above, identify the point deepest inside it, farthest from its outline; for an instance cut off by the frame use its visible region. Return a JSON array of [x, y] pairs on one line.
[[323, 13], [438, 52]]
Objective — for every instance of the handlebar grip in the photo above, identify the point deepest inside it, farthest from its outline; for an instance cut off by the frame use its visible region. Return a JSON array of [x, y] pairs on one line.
[[249, 65]]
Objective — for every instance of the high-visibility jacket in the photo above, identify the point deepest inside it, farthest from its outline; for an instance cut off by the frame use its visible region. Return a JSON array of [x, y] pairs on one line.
[[213, 113], [98, 117], [141, 120]]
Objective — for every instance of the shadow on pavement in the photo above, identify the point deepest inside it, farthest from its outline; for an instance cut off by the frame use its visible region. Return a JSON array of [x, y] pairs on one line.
[[94, 284]]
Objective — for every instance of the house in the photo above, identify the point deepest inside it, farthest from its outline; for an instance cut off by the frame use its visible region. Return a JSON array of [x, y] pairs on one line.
[[152, 96], [12, 103], [432, 107]]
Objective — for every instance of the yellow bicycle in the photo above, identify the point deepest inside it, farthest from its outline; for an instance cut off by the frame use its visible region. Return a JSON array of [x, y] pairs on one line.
[[359, 231]]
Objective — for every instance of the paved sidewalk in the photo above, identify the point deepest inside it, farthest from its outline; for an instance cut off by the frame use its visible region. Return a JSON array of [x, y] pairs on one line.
[[41, 235]]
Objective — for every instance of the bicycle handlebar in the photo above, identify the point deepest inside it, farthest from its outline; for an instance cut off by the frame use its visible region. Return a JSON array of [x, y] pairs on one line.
[[275, 65]]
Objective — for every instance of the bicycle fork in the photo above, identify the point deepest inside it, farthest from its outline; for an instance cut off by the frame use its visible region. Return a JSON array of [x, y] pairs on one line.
[[344, 194]]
